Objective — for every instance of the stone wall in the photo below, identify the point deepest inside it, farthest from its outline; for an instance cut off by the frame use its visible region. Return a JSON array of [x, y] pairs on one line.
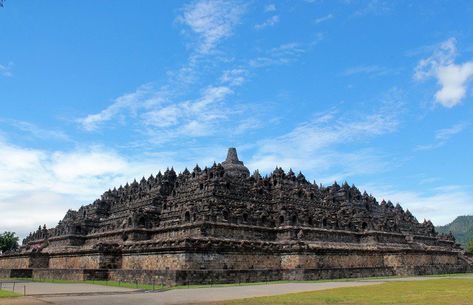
[[332, 260], [149, 261], [14, 262], [157, 277], [235, 261], [71, 274], [75, 261], [246, 266]]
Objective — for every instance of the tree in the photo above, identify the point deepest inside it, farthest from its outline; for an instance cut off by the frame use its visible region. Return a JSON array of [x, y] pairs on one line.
[[8, 241], [469, 245]]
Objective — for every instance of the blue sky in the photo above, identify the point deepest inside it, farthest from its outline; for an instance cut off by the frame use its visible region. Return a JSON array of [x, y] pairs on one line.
[[94, 94]]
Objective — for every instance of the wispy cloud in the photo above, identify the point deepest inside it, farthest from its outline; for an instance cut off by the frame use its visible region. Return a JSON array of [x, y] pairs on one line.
[[212, 21], [452, 78], [281, 55], [6, 70], [160, 115], [195, 117], [374, 7], [271, 21], [36, 131], [372, 70], [323, 18], [429, 204], [442, 136], [319, 145], [129, 102], [234, 77], [270, 8]]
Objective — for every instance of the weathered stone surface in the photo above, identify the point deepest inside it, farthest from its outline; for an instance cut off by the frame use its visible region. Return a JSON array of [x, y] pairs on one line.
[[220, 224]]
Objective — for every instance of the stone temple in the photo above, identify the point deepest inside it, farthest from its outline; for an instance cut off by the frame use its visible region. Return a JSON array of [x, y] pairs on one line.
[[221, 224]]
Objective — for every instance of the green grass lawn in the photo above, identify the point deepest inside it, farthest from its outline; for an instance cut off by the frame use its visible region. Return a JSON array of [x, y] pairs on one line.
[[429, 292], [7, 294]]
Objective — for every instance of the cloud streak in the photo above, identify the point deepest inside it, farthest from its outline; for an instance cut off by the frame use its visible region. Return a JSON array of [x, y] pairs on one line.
[[323, 18], [130, 101], [36, 131], [271, 21], [280, 55], [442, 136], [6, 70], [212, 21], [317, 146], [371, 70]]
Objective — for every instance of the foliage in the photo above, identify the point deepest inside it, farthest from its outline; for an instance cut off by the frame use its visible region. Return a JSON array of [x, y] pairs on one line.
[[433, 292], [8, 241], [469, 245], [461, 227]]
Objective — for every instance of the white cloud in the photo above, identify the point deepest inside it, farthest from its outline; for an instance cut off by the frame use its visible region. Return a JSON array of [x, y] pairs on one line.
[[323, 18], [271, 21], [174, 110], [372, 70], [374, 7], [5, 70], [270, 8], [441, 205], [36, 131], [164, 117], [234, 77], [452, 78], [213, 21], [319, 146], [25, 211], [247, 124], [281, 55], [128, 102], [75, 165], [443, 55], [443, 135], [192, 118]]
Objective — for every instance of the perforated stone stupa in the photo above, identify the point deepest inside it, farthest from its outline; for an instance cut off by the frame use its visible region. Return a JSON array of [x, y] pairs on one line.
[[221, 224]]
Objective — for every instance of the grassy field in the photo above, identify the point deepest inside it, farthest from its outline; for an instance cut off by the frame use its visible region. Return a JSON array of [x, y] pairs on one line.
[[429, 292], [7, 294]]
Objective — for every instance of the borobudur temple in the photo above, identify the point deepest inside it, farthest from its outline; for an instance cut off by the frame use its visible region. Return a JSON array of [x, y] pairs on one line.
[[221, 225]]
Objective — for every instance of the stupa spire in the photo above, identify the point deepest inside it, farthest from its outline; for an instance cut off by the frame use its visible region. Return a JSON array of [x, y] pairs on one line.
[[232, 155], [233, 166]]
